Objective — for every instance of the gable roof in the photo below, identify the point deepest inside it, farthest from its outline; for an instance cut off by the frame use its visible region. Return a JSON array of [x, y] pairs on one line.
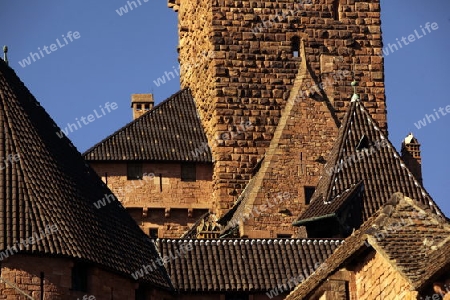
[[377, 164], [171, 131], [52, 185], [414, 240], [242, 265]]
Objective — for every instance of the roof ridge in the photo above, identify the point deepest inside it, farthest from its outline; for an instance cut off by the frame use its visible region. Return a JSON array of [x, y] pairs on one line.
[[188, 240], [382, 224], [355, 242], [344, 128], [281, 258], [398, 157], [171, 131]]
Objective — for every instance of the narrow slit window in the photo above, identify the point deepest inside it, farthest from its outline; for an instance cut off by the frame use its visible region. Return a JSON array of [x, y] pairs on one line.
[[153, 233], [336, 10], [236, 297], [309, 192], [284, 236], [295, 46]]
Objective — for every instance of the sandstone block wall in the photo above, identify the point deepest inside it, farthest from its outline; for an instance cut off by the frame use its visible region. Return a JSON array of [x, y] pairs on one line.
[[251, 71], [24, 271], [372, 277], [377, 279], [301, 139], [166, 203]]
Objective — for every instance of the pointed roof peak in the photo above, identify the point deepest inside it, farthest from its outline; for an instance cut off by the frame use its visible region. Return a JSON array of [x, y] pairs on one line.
[[5, 54], [363, 153], [355, 96]]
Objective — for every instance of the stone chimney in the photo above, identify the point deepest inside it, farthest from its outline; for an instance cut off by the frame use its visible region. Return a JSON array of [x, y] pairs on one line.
[[411, 156], [141, 103]]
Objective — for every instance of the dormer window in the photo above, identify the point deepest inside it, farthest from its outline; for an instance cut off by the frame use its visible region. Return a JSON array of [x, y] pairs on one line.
[[363, 143]]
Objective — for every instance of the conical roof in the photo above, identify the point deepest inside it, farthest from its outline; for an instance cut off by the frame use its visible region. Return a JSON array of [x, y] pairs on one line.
[[51, 184]]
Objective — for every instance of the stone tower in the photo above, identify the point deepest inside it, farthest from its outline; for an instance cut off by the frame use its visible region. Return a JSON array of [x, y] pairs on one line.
[[240, 59]]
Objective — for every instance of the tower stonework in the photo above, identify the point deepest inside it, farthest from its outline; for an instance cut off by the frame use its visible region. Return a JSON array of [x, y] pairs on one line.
[[240, 59]]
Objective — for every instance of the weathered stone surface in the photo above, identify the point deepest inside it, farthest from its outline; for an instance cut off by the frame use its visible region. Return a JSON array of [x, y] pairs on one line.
[[253, 68], [148, 199]]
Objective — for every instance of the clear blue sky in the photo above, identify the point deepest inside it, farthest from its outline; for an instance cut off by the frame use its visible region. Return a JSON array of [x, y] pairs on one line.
[[116, 56]]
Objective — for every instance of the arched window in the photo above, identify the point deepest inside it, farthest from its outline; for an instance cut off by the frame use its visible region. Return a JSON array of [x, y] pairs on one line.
[[295, 46]]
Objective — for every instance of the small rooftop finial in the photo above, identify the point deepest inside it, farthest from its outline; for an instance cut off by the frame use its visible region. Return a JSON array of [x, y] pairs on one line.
[[5, 54], [410, 138], [355, 96]]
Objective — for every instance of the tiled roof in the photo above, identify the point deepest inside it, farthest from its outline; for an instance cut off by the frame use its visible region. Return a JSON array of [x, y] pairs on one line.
[[52, 185], [319, 208], [377, 164], [412, 238], [416, 241], [171, 131], [226, 265]]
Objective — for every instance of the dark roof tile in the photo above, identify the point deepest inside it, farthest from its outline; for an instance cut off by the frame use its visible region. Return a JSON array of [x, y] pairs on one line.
[[51, 184], [234, 265], [412, 237], [320, 208], [379, 167], [171, 131]]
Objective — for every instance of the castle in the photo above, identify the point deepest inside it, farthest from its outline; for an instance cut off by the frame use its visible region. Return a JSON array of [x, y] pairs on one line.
[[270, 174]]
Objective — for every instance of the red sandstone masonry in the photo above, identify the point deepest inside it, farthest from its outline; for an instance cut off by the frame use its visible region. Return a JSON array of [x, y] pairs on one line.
[[377, 279], [147, 204], [251, 74], [24, 271]]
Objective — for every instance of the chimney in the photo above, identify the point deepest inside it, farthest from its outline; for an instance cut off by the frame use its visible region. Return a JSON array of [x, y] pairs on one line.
[[141, 103], [411, 156]]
